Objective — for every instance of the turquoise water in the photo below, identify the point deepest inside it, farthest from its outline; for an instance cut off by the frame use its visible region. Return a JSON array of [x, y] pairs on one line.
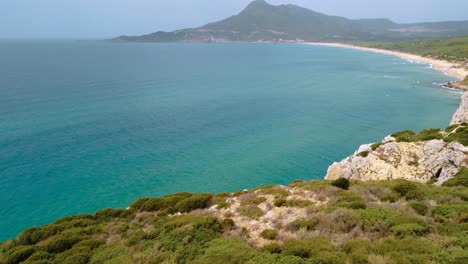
[[90, 125]]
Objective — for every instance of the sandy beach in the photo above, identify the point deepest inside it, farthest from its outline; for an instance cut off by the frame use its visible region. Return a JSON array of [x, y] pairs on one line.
[[450, 69]]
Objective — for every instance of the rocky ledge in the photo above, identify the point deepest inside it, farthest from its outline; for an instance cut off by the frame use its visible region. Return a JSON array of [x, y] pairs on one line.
[[416, 161], [431, 155]]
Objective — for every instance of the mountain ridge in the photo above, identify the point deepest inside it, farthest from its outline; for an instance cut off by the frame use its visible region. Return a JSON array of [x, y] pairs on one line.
[[263, 22]]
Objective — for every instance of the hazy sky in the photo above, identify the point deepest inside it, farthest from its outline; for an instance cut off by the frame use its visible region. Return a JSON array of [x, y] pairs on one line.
[[108, 18]]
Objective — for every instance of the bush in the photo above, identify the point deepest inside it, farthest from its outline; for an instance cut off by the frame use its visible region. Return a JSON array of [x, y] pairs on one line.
[[279, 202], [20, 254], [350, 200], [357, 258], [62, 242], [297, 248], [111, 253], [407, 189], [455, 213], [460, 136], [228, 224], [425, 135], [251, 211], [363, 154], [307, 224], [225, 250], [269, 234], [315, 247], [375, 146], [179, 202], [460, 179], [341, 183], [404, 136], [194, 202], [107, 214], [273, 248], [411, 229], [339, 221], [420, 207]]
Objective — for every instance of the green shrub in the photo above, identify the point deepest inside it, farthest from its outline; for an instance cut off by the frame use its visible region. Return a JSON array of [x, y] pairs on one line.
[[455, 213], [375, 146], [274, 190], [194, 202], [297, 203], [228, 224], [194, 221], [425, 135], [407, 189], [420, 207], [112, 253], [311, 248], [404, 136], [273, 248], [460, 179], [179, 202], [225, 250], [357, 258], [297, 248], [451, 128], [62, 242], [279, 202], [251, 211], [363, 154], [307, 224], [269, 234], [413, 229], [40, 257], [19, 254], [256, 200], [107, 214], [342, 183], [350, 200], [460, 136]]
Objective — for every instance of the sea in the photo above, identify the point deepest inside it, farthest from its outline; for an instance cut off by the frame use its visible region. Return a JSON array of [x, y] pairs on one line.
[[88, 125]]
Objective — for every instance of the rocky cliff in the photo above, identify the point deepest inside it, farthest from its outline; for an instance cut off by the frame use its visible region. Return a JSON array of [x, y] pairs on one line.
[[461, 116], [430, 155]]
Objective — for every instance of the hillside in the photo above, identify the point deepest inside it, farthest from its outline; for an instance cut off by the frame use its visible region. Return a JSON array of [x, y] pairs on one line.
[[260, 21], [452, 49], [305, 222]]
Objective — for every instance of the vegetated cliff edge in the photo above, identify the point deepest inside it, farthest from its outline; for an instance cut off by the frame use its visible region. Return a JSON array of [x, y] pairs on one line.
[[431, 154]]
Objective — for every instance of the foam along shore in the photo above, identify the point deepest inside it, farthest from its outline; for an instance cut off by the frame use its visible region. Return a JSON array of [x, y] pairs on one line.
[[449, 68]]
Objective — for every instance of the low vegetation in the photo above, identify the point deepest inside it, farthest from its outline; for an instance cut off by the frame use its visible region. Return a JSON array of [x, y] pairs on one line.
[[305, 222], [454, 49], [455, 133]]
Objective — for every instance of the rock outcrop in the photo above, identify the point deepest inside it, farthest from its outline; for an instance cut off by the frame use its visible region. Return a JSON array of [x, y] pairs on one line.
[[419, 161], [415, 161], [461, 116]]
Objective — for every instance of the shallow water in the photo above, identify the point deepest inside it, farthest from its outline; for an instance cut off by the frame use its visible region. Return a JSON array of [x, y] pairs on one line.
[[90, 125]]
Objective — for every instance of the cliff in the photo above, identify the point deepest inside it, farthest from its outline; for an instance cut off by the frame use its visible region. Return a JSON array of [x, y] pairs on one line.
[[431, 155], [461, 116]]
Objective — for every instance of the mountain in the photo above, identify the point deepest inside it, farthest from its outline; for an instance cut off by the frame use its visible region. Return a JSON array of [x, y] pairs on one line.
[[260, 21]]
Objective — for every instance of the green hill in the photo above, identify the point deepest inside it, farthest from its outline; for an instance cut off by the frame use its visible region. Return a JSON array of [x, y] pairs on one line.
[[261, 21], [305, 222]]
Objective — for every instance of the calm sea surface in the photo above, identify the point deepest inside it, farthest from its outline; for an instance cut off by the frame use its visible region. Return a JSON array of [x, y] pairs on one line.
[[90, 125]]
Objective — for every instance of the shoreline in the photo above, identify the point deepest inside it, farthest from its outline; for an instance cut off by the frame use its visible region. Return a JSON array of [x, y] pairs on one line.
[[448, 68]]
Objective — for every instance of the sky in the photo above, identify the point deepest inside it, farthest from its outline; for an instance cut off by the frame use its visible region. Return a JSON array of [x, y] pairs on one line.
[[110, 18]]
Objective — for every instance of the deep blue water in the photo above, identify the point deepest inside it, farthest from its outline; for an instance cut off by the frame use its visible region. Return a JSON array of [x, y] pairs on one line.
[[90, 125]]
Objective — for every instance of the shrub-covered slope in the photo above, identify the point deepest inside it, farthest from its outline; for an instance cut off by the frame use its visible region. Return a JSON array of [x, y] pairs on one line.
[[305, 222]]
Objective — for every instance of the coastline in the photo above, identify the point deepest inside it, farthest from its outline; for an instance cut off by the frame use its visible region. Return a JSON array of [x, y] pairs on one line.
[[448, 68]]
